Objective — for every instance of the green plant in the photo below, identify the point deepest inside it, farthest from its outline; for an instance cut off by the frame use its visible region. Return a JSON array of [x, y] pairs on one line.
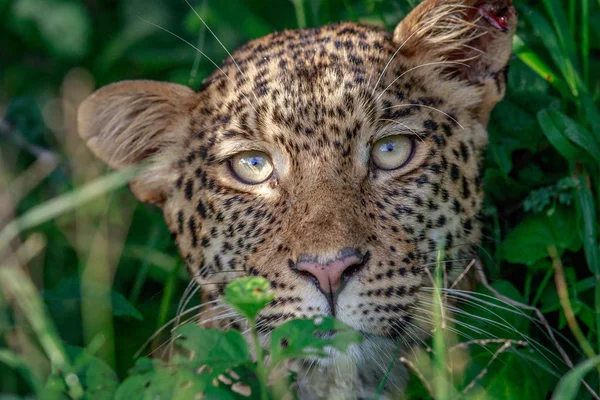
[[209, 361]]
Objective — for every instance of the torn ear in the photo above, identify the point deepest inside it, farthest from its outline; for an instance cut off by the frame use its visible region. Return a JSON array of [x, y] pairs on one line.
[[472, 37], [135, 122]]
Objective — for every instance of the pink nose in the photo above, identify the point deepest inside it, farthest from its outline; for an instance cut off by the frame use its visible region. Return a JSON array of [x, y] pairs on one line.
[[332, 274]]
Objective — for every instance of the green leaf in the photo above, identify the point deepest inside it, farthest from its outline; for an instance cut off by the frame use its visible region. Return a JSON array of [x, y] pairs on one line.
[[568, 387], [552, 129], [512, 128], [68, 290], [576, 133], [248, 295], [170, 383], [19, 364], [587, 208], [64, 26], [533, 61], [484, 317], [553, 45], [221, 350], [593, 115], [154, 379], [516, 374], [502, 188], [309, 338], [98, 379], [529, 241], [561, 27]]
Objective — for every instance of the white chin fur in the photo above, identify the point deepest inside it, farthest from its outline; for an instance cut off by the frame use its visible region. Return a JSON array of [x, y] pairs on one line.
[[353, 374]]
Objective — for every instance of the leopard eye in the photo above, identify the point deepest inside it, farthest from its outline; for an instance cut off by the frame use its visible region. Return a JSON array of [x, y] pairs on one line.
[[392, 152], [252, 167]]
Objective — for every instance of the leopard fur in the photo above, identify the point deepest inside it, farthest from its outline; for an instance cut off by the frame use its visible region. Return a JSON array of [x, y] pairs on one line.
[[316, 100]]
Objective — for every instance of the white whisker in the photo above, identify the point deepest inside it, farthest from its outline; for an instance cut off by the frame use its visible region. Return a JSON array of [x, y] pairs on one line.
[[413, 68], [201, 52], [424, 106]]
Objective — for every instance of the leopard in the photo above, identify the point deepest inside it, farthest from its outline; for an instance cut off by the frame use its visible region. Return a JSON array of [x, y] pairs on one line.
[[335, 162]]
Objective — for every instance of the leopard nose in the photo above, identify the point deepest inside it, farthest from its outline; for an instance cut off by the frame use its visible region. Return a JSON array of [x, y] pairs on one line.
[[331, 275]]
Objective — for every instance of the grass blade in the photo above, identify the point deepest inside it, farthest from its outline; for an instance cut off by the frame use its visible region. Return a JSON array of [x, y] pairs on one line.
[[561, 27], [568, 386], [557, 52], [64, 203], [30, 304], [557, 139], [533, 61]]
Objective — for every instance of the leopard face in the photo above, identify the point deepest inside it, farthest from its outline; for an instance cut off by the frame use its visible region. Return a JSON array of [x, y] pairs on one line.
[[335, 162]]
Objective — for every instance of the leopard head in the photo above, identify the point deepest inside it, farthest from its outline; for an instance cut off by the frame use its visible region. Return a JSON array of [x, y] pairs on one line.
[[335, 162]]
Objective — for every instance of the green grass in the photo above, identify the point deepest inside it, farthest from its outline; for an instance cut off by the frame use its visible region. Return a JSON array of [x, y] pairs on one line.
[[83, 265]]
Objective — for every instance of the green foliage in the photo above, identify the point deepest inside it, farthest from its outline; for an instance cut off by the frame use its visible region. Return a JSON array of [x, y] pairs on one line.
[[221, 350], [529, 241], [561, 192], [310, 338], [68, 291], [97, 378], [248, 296], [541, 179], [569, 385]]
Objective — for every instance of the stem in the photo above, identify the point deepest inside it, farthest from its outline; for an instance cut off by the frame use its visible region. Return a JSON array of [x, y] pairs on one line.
[[64, 203], [388, 372], [300, 14], [585, 41], [18, 285], [142, 274], [167, 300], [563, 295], [597, 309], [439, 341], [351, 13], [541, 287], [528, 280], [260, 365], [572, 15]]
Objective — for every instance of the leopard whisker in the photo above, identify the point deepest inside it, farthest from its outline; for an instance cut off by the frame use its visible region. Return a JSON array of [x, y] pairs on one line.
[[424, 106], [404, 125], [471, 297], [430, 321], [170, 341], [506, 326], [222, 45], [419, 66], [201, 52], [234, 322], [197, 318], [390, 61], [187, 292], [455, 322], [165, 325]]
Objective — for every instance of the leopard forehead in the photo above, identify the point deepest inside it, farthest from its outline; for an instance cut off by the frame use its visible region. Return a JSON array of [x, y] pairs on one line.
[[315, 100]]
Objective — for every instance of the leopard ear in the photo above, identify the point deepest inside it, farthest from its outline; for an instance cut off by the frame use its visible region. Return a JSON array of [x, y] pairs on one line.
[[472, 39], [134, 122]]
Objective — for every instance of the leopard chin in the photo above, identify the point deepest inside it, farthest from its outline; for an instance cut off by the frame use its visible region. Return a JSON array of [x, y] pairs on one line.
[[356, 374]]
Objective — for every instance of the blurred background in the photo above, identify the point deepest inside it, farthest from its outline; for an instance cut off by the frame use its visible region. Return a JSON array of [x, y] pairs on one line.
[[106, 269]]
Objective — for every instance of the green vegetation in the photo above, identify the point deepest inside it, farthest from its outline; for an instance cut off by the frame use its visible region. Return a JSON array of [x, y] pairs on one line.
[[88, 275]]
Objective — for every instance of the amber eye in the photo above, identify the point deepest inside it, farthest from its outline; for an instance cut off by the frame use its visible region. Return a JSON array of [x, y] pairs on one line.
[[392, 152], [252, 167]]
